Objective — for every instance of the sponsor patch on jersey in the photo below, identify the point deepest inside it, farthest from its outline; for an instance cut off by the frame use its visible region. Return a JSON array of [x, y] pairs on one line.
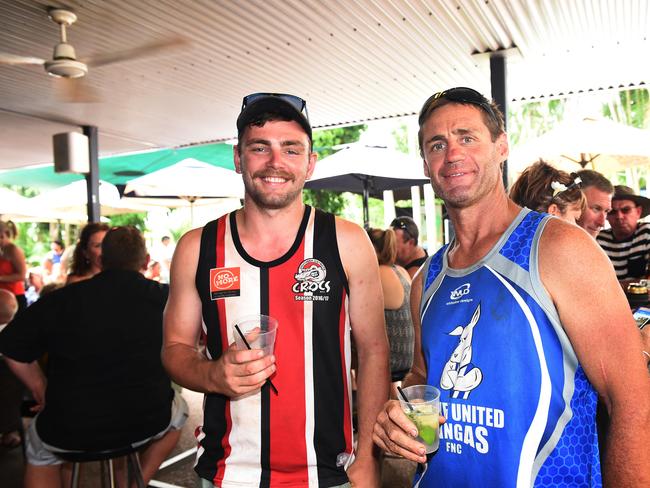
[[224, 283], [460, 294], [310, 282]]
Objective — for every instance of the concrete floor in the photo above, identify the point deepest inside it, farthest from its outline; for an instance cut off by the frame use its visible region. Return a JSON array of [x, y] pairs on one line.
[[396, 473]]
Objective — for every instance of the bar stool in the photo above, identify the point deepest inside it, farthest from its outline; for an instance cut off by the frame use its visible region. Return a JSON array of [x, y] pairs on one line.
[[107, 471]]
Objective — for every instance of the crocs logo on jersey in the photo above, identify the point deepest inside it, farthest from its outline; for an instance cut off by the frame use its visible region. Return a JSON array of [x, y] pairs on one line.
[[224, 282], [460, 292], [310, 281]]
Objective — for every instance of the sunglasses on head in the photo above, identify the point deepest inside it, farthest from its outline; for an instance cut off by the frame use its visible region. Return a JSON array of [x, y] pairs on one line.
[[296, 102], [460, 94], [400, 224]]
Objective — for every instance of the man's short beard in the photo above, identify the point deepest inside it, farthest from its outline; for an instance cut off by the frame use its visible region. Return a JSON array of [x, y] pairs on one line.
[[273, 202]]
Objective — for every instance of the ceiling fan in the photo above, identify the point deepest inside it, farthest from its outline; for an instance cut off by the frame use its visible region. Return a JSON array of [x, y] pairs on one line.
[[64, 63]]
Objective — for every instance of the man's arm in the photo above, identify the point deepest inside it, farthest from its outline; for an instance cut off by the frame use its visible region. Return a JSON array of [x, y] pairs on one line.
[[597, 319], [393, 430], [235, 372], [32, 377], [368, 328]]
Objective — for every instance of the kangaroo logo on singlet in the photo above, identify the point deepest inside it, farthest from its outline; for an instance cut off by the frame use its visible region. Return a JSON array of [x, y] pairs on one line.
[[459, 374], [310, 282]]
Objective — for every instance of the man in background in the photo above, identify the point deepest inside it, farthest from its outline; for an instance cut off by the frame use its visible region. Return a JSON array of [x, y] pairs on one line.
[[163, 253], [11, 388], [409, 254], [598, 191], [627, 243], [106, 387], [56, 251]]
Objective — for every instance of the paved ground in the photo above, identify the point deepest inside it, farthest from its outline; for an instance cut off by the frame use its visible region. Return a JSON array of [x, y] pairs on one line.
[[397, 473]]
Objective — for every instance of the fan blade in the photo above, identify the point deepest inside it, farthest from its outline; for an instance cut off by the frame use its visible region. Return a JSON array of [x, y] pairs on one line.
[[6, 58], [75, 90], [150, 49]]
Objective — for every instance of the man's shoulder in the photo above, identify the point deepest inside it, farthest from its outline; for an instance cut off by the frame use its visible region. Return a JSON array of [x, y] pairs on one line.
[[124, 282], [643, 228], [561, 236], [605, 235]]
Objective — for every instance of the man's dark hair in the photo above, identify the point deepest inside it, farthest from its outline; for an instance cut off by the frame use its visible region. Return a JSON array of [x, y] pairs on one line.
[[408, 226], [490, 112], [260, 119], [593, 178], [165, 238], [124, 248], [59, 243]]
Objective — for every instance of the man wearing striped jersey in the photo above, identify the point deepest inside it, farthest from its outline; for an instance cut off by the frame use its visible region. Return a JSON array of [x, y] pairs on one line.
[[627, 242], [519, 322], [318, 276]]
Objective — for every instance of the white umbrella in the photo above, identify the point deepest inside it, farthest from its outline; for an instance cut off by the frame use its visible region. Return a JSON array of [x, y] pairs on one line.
[[12, 203], [368, 170], [72, 199], [190, 180], [22, 209], [176, 202], [600, 144]]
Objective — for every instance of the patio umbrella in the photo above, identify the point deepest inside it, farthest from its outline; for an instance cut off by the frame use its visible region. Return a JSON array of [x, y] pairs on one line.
[[11, 203], [189, 180], [368, 170], [599, 144], [22, 209], [72, 200]]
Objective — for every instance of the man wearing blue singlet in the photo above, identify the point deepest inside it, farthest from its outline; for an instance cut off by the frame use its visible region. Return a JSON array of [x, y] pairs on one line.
[[519, 322]]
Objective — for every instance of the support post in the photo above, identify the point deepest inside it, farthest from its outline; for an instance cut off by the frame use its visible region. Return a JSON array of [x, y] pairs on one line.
[[366, 197], [498, 73], [92, 177]]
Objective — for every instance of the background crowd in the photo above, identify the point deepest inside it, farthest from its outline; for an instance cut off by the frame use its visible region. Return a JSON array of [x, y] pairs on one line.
[[108, 279]]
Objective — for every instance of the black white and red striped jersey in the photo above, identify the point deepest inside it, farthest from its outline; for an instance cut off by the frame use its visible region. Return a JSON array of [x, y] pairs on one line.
[[292, 438]]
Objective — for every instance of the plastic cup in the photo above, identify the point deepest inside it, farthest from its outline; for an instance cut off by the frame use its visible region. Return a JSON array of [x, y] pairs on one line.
[[259, 331], [423, 408]]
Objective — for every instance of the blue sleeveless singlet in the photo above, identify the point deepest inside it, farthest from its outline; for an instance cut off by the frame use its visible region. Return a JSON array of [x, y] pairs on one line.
[[520, 410]]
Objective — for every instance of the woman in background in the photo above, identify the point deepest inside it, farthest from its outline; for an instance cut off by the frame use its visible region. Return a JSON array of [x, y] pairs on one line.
[[87, 257], [396, 286], [543, 188], [13, 269]]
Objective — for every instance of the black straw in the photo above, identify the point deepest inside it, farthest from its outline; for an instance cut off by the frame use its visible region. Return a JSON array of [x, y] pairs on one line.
[[268, 380], [401, 392]]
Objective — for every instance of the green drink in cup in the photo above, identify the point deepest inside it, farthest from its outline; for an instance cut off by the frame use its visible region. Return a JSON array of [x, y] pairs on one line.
[[421, 404]]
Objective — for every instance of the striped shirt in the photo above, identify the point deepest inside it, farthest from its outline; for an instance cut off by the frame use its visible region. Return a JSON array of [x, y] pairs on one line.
[[296, 437], [629, 256]]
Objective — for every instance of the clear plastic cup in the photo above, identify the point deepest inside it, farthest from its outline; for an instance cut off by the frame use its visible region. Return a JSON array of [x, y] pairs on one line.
[[423, 409], [259, 331]]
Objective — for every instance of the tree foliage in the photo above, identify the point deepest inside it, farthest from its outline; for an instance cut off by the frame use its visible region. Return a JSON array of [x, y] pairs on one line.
[[532, 119], [630, 107], [324, 145], [401, 137], [136, 219]]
